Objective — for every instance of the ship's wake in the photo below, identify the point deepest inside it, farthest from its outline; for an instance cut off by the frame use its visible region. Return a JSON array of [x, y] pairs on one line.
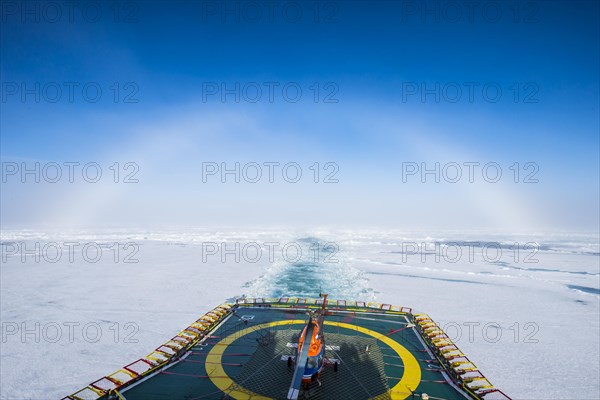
[[319, 269]]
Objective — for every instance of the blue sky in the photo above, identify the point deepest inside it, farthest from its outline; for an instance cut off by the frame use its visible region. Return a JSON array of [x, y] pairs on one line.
[[369, 54]]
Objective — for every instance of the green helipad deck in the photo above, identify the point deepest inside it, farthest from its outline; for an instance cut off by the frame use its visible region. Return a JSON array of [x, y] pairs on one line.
[[243, 351]]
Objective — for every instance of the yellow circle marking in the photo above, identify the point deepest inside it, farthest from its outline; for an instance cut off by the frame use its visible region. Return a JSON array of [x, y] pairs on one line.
[[409, 382]]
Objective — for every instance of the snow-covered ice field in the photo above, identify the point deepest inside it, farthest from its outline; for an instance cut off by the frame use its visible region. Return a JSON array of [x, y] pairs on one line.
[[529, 319]]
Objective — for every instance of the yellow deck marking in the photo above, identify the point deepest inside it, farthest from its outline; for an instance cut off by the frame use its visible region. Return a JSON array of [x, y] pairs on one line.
[[409, 382]]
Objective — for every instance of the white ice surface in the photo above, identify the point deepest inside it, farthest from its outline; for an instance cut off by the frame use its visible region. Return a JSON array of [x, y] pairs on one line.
[[548, 348]]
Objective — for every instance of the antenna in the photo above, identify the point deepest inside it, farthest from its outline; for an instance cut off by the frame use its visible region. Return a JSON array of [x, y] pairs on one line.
[[324, 306]]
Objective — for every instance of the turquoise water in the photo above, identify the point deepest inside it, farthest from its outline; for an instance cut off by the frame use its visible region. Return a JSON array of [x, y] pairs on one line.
[[321, 269]]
